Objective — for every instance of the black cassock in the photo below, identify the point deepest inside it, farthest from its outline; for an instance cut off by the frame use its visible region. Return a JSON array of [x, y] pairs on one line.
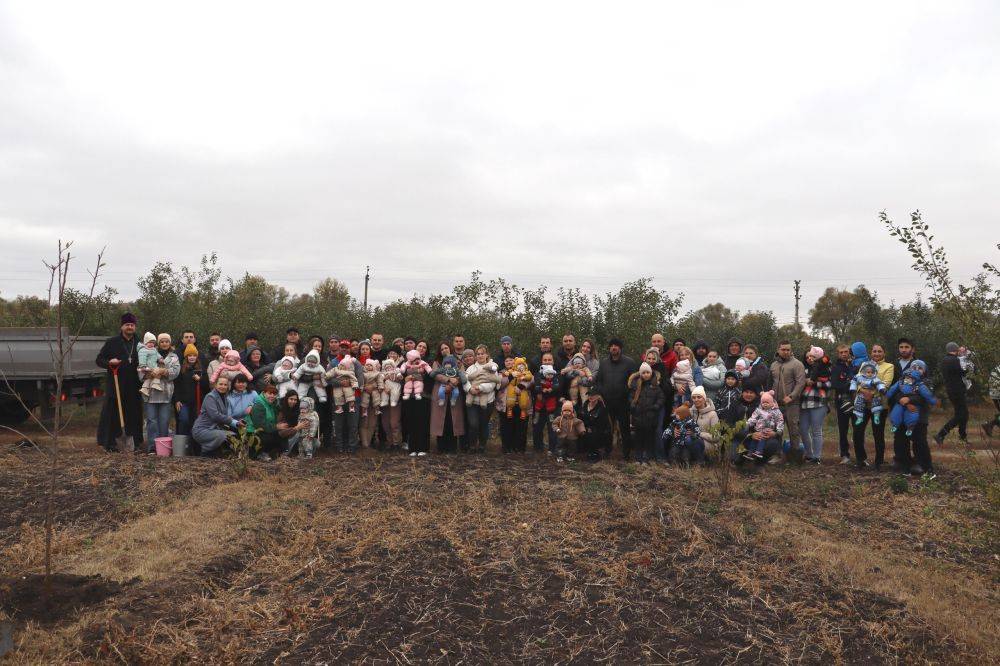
[[126, 351]]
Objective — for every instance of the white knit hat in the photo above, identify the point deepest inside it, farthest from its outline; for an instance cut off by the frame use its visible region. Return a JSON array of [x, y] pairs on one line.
[[148, 337], [645, 366], [699, 390], [225, 343]]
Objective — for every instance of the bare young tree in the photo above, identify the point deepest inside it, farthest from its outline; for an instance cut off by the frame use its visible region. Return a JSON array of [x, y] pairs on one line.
[[60, 350]]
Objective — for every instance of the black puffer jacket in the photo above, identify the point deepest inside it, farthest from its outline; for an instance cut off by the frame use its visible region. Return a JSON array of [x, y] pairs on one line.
[[952, 375], [760, 377], [645, 399], [612, 379], [184, 386], [596, 420]]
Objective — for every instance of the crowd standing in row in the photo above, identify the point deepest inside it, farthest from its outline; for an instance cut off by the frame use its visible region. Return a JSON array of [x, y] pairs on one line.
[[665, 406]]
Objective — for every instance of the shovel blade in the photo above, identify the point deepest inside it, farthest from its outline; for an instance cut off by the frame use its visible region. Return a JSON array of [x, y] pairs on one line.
[[126, 444]]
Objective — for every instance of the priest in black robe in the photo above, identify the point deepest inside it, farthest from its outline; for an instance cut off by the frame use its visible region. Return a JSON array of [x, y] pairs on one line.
[[121, 351]]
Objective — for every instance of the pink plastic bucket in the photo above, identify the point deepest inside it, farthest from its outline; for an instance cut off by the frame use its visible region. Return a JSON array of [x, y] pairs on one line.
[[164, 445]]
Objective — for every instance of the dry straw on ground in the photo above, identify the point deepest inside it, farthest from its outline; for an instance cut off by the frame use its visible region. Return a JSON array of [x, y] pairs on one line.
[[500, 559]]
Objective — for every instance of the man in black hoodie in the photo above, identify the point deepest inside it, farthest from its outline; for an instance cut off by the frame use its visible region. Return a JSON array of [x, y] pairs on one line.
[[612, 382], [291, 336], [953, 377], [700, 350], [734, 352], [251, 342]]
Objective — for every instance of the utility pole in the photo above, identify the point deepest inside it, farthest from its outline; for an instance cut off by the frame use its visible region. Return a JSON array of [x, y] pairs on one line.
[[366, 293], [798, 324]]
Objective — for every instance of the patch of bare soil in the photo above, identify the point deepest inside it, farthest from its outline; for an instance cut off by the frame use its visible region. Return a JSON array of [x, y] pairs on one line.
[[29, 599]]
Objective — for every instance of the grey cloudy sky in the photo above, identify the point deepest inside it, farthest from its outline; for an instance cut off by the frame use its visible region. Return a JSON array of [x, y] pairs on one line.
[[723, 149]]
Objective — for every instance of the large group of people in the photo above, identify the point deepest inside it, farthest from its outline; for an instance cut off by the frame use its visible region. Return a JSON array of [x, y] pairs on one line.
[[672, 403]]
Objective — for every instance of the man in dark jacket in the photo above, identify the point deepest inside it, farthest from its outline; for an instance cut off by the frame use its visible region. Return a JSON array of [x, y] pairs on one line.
[[953, 377], [120, 354], [251, 341], [912, 453], [840, 381], [700, 350], [734, 351], [544, 347], [291, 336], [506, 350], [612, 382], [906, 353], [565, 353]]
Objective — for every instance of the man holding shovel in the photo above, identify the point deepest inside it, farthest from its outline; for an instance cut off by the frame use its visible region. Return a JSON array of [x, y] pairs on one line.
[[120, 427]]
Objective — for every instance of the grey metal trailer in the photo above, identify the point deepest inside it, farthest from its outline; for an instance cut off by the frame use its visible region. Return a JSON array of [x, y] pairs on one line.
[[27, 371]]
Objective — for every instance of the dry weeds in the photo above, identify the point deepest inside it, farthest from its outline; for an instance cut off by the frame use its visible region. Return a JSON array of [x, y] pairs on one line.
[[499, 559]]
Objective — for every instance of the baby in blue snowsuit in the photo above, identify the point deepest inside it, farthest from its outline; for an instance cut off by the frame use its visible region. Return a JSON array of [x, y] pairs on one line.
[[911, 383], [867, 378]]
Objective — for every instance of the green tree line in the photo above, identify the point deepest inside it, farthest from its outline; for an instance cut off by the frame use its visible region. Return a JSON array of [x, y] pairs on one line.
[[173, 298]]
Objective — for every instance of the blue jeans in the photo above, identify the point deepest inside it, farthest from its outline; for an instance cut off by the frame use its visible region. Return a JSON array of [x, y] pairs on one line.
[[477, 431], [660, 452], [292, 443], [811, 427], [157, 422], [185, 419]]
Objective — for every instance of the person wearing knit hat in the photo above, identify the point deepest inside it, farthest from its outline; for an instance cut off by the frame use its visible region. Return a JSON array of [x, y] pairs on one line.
[[507, 350], [119, 355], [655, 362], [612, 381], [953, 378], [190, 386], [594, 414], [149, 358], [764, 426], [700, 349], [727, 398], [813, 403], [158, 390], [646, 399], [251, 343], [698, 391], [224, 346]]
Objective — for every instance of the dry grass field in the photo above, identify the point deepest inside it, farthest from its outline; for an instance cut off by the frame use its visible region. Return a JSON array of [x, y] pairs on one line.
[[453, 559]]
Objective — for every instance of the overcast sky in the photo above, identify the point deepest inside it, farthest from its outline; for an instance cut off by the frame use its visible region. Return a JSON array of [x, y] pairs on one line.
[[723, 149]]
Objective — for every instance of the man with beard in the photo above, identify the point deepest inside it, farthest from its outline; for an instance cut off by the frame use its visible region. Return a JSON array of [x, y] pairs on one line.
[[120, 354]]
